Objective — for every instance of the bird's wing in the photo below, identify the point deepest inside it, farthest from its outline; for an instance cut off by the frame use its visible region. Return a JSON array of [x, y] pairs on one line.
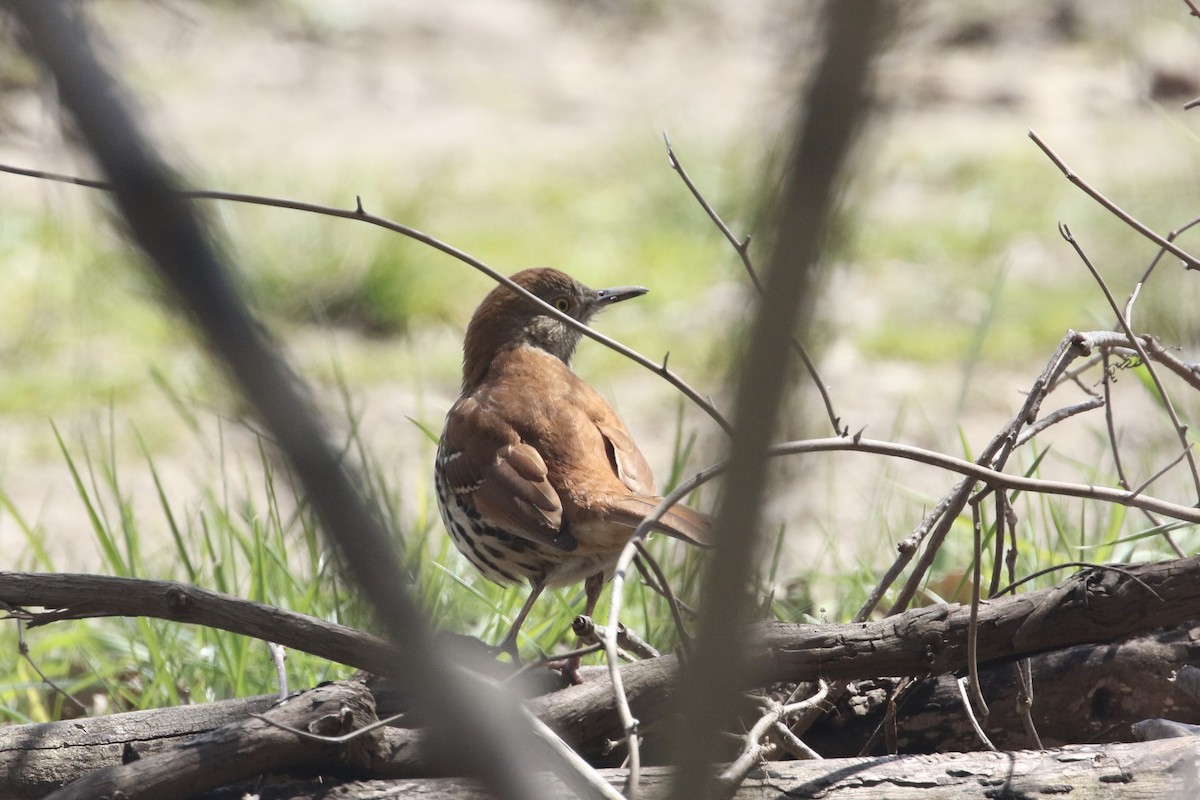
[[630, 466], [625, 458], [505, 478]]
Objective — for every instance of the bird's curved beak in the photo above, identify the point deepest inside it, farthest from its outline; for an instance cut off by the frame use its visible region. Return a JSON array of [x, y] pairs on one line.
[[606, 297]]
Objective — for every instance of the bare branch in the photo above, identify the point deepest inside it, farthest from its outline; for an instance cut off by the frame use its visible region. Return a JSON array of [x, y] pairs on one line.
[[358, 214], [1180, 428], [752, 753], [1188, 259], [742, 248]]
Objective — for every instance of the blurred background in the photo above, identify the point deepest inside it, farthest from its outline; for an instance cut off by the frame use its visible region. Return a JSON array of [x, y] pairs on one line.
[[529, 132]]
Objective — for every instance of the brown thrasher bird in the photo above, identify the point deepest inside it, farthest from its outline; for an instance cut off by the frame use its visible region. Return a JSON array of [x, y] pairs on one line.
[[537, 477]]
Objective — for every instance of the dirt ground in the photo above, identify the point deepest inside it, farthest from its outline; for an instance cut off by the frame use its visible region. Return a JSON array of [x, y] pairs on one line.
[[393, 90]]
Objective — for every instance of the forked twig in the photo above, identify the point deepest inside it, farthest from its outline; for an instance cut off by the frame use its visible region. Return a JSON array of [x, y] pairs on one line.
[[1180, 428], [742, 248], [753, 751]]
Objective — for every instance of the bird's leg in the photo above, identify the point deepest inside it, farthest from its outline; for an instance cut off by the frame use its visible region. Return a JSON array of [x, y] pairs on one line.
[[509, 643], [592, 587]]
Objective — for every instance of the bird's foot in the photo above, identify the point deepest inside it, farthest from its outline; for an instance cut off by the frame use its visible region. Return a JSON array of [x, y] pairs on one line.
[[507, 647], [569, 667]]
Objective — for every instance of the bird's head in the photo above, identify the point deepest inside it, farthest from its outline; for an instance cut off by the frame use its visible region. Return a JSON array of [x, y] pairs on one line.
[[505, 319]]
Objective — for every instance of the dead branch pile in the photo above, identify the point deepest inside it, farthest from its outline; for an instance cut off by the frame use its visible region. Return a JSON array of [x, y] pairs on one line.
[[1084, 667]]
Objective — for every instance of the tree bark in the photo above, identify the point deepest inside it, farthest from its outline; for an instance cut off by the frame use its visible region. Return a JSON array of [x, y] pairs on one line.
[[37, 759], [1087, 693], [247, 748]]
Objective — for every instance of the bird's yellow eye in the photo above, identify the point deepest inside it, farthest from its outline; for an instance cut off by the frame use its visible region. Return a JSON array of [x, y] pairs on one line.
[[562, 304]]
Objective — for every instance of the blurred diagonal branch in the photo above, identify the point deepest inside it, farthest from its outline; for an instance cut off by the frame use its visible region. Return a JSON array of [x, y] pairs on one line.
[[831, 114], [498, 746]]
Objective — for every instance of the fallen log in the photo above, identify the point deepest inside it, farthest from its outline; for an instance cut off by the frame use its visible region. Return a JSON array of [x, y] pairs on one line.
[[37, 759], [1096, 605], [1160, 770]]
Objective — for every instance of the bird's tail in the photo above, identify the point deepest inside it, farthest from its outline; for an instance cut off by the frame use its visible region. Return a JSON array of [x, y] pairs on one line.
[[681, 522]]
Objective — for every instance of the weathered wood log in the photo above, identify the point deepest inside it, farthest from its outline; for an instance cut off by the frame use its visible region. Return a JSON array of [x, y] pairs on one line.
[[37, 759], [1087, 693], [1161, 770], [1095, 605], [82, 596], [231, 756], [245, 749]]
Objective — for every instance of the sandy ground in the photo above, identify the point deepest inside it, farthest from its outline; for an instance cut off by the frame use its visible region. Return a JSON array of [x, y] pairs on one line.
[[393, 90]]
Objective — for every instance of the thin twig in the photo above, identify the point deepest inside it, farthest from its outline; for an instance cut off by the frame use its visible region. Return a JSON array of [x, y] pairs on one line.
[[1189, 260], [323, 738], [973, 625], [742, 248], [646, 557], [1025, 700], [938, 520], [972, 470], [1002, 506], [1080, 565], [886, 729], [629, 723], [591, 633], [23, 649], [653, 585], [543, 660], [278, 658], [1188, 372], [961, 683], [752, 752], [794, 745], [1180, 428], [1010, 560], [1137, 289], [1059, 415], [1110, 423]]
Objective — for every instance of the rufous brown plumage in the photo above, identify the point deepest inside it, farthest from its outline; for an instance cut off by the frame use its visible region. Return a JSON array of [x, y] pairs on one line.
[[537, 477]]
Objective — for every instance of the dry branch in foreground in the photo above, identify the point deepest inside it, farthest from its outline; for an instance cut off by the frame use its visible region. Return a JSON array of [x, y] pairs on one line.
[[237, 755], [1096, 605]]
